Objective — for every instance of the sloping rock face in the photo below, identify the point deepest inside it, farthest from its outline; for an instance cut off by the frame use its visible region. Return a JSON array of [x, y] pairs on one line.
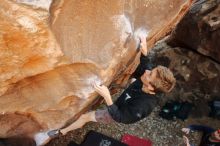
[[27, 46], [51, 55], [200, 29]]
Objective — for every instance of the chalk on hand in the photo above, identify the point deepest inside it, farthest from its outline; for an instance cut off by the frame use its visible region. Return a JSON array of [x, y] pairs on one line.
[[138, 34]]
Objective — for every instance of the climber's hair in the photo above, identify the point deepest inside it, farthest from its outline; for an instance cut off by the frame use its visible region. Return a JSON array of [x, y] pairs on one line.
[[165, 80]]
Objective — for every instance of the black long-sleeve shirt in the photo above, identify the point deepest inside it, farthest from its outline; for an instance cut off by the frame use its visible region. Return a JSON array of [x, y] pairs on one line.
[[145, 63], [207, 131], [133, 104]]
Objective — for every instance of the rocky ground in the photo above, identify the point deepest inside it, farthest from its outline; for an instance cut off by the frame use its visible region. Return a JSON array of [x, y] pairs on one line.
[[162, 132]]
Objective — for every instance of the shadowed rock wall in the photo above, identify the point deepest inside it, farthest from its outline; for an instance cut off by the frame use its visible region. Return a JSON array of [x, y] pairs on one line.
[[200, 29]]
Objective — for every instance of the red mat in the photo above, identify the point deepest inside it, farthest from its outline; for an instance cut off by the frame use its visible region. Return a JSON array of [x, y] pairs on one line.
[[135, 141]]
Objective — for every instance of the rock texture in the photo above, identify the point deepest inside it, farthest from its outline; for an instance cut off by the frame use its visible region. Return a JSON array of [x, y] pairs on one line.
[[50, 58], [200, 29], [27, 46]]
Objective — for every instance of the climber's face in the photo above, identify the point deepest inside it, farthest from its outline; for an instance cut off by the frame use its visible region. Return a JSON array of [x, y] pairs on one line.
[[147, 78]]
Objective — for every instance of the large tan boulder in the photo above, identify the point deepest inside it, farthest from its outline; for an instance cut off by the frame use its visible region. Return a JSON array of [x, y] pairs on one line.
[[52, 53]]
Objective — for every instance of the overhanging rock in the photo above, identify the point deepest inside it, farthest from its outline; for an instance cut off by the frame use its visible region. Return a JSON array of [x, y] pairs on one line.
[[50, 57]]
